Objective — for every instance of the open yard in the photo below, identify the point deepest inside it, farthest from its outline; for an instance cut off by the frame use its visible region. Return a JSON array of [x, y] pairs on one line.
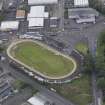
[[78, 91], [42, 59], [82, 47]]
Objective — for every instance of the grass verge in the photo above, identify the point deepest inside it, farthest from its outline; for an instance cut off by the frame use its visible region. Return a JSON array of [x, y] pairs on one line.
[[82, 48], [43, 60], [78, 91]]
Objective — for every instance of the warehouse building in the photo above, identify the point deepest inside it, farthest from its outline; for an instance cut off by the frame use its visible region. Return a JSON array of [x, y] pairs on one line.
[[37, 12], [81, 3], [9, 25], [39, 99], [40, 2], [35, 23], [83, 15], [37, 16]]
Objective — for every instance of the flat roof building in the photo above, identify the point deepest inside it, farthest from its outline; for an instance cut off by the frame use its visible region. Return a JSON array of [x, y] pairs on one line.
[[37, 12], [36, 22], [81, 3], [20, 14], [82, 15], [38, 2], [39, 99], [90, 19], [9, 25], [36, 16]]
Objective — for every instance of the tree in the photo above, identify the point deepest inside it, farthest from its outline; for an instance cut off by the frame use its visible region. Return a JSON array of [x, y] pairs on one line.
[[101, 40], [66, 13], [1, 49], [19, 84], [98, 5], [88, 64], [101, 83], [1, 17], [100, 57]]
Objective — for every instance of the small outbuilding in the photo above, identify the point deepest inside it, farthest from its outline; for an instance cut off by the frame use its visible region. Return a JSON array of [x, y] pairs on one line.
[[20, 14]]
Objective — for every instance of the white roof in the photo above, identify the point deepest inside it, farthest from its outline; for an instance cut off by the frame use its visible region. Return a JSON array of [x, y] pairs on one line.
[[36, 22], [81, 2], [36, 2], [36, 16], [36, 101], [37, 12], [86, 20], [5, 25], [1, 4]]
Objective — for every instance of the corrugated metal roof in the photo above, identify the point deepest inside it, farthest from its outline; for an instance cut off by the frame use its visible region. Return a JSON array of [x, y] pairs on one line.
[[81, 2], [36, 101], [35, 2], [36, 16], [36, 11], [82, 12], [36, 22], [5, 25]]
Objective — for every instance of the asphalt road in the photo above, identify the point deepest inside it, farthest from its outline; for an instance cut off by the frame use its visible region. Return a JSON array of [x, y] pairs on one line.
[[96, 95], [95, 92], [18, 98], [61, 11], [52, 95]]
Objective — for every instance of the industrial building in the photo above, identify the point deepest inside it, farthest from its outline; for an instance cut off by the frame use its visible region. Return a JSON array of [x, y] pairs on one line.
[[39, 99], [83, 15], [42, 14], [37, 12], [35, 23], [40, 2], [36, 16], [81, 12], [81, 3], [9, 25]]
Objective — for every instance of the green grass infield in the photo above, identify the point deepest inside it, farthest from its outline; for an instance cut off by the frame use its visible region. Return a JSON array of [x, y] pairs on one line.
[[42, 60]]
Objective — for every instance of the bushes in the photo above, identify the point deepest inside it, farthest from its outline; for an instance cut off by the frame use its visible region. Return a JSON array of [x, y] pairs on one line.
[[18, 84], [98, 5], [100, 63]]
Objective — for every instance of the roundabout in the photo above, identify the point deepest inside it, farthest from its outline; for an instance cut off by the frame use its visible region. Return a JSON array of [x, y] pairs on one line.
[[42, 59]]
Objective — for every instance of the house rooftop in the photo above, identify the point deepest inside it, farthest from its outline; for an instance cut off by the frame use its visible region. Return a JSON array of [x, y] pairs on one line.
[[20, 14]]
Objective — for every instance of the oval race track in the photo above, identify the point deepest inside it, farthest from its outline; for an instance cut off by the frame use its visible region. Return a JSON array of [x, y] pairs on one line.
[[39, 76]]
